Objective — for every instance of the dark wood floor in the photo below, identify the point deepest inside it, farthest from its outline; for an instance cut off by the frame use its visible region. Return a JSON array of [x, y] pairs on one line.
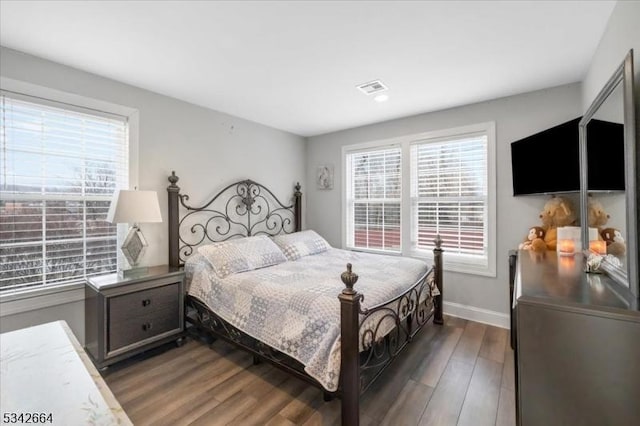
[[457, 374]]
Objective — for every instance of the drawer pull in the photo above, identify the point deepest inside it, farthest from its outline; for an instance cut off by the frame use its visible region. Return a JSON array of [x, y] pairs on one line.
[[146, 302], [147, 326]]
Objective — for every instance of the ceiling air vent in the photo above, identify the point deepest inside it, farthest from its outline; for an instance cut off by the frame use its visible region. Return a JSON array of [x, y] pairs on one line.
[[372, 87]]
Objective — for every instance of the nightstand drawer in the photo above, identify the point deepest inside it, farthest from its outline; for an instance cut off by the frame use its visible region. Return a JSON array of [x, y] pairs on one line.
[[143, 302], [143, 327]]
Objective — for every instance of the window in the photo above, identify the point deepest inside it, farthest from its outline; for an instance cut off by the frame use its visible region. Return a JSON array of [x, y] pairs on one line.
[[450, 191], [59, 167], [374, 198], [449, 196]]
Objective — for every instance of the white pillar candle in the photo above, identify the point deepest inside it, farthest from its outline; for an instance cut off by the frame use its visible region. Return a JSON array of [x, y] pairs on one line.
[[565, 233]]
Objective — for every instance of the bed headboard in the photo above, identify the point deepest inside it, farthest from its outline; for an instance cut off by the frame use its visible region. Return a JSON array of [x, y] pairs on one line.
[[242, 209]]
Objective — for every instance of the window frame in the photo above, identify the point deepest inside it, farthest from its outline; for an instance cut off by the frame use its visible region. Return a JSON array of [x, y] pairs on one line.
[[49, 295], [454, 262]]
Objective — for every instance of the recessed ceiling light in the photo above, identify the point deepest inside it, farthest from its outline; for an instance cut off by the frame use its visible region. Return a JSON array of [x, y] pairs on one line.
[[381, 98]]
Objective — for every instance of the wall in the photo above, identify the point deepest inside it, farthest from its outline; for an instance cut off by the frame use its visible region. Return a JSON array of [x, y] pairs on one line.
[[71, 312], [206, 148], [515, 117], [621, 34]]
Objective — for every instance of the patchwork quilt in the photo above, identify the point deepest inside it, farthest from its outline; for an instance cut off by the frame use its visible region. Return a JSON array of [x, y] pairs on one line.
[[293, 306]]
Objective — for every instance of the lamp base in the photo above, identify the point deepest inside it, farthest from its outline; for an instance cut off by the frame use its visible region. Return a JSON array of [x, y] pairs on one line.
[[134, 246], [133, 272]]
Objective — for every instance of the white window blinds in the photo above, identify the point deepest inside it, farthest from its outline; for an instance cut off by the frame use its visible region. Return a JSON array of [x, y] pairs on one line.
[[59, 167], [373, 199], [449, 195]]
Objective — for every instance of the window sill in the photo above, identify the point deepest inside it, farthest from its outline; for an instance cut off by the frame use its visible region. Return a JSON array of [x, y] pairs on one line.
[[30, 300], [373, 251]]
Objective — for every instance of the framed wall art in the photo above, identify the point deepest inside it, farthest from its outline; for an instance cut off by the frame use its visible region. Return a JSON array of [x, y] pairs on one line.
[[324, 176]]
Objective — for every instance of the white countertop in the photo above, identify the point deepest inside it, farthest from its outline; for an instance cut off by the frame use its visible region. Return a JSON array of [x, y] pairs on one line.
[[43, 369]]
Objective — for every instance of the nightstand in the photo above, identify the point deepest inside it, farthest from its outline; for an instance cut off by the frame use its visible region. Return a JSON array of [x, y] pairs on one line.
[[126, 316]]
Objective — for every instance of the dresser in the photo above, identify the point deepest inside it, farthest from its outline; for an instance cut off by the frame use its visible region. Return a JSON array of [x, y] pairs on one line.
[[577, 344], [127, 315], [47, 378]]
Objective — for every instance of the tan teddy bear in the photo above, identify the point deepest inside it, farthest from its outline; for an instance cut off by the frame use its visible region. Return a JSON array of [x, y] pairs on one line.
[[598, 217], [535, 240], [557, 212]]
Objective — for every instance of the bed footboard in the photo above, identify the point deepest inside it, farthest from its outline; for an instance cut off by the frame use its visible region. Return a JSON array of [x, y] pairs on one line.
[[372, 338]]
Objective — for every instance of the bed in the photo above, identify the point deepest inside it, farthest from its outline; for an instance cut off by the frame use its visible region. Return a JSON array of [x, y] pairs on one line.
[[287, 313]]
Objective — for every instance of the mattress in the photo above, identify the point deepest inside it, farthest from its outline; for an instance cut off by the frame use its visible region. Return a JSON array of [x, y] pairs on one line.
[[293, 306]]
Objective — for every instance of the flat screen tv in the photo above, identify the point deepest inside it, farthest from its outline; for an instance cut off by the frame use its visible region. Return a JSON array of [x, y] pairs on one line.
[[605, 148], [549, 162]]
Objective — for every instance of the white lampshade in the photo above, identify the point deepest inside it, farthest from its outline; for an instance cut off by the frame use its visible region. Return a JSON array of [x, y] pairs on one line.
[[134, 207]]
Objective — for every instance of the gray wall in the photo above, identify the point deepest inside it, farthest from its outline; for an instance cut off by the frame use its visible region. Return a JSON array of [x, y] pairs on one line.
[[72, 313], [515, 117], [206, 148], [622, 33]]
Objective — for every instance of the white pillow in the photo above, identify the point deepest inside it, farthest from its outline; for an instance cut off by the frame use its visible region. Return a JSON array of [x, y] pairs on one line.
[[300, 244], [242, 254]]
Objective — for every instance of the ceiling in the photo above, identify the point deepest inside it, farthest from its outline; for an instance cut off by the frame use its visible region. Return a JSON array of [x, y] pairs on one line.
[[295, 65]]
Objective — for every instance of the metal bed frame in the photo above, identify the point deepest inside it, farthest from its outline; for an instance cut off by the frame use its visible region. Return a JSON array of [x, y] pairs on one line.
[[247, 208]]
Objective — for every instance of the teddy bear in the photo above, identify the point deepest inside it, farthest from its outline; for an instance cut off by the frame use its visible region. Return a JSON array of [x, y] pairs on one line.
[[535, 240], [557, 212], [597, 216], [615, 241]]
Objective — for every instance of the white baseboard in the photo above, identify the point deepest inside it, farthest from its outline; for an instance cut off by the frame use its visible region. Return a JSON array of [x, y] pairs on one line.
[[472, 313]]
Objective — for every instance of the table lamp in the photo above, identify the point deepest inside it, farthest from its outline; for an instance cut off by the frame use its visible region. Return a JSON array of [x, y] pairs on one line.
[[134, 207]]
